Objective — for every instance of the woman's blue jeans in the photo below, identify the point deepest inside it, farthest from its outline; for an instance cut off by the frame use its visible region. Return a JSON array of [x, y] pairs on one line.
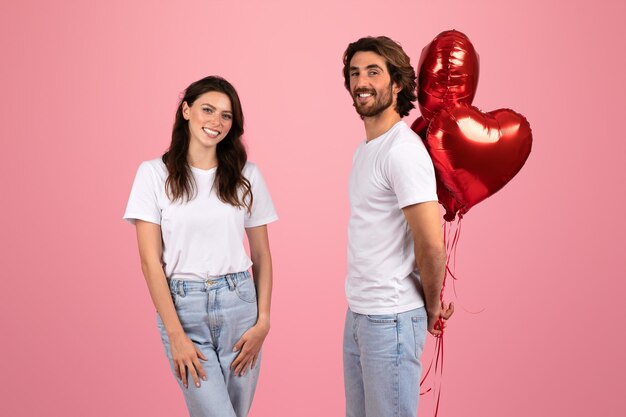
[[215, 314]]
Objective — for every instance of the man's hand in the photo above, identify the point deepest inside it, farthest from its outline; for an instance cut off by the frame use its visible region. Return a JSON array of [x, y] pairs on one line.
[[437, 319]]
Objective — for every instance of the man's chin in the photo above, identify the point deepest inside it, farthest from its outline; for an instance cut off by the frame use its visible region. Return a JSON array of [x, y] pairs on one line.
[[362, 111]]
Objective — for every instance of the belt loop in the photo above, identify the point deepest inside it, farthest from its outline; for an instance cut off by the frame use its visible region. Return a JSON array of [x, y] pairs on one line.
[[231, 283], [181, 288]]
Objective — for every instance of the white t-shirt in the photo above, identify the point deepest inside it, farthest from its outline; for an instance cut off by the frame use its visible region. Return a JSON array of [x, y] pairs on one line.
[[204, 237], [389, 172]]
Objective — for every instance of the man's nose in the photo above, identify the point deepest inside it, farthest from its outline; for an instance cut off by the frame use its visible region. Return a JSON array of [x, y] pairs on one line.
[[362, 81]]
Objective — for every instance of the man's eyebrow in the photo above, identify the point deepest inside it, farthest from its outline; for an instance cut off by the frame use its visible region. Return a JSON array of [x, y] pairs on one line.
[[371, 66]]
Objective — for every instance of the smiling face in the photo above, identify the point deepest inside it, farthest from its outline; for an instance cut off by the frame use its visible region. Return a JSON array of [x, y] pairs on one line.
[[371, 87], [210, 118]]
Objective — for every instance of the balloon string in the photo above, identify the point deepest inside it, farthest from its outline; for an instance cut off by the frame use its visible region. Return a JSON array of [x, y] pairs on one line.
[[451, 237], [437, 359], [450, 245], [439, 355], [430, 366], [451, 249], [426, 374]]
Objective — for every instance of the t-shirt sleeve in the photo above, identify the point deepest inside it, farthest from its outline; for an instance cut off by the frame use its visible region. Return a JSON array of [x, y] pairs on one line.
[[143, 202], [263, 211], [411, 174]]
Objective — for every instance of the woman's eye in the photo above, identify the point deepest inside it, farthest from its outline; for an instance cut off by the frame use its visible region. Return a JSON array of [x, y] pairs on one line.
[[227, 117], [207, 110]]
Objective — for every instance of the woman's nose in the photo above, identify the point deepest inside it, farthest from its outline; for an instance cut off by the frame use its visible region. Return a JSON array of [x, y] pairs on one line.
[[215, 119]]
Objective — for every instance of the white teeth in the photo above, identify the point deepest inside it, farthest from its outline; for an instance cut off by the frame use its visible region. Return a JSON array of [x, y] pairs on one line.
[[210, 132], [364, 95]]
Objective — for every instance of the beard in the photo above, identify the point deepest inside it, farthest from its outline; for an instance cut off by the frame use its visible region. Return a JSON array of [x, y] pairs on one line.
[[382, 102]]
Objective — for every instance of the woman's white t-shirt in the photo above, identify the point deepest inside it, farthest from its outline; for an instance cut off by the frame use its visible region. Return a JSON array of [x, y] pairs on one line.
[[204, 237]]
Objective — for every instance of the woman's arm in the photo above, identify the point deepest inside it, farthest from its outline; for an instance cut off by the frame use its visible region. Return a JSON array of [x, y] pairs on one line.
[[184, 353], [250, 343]]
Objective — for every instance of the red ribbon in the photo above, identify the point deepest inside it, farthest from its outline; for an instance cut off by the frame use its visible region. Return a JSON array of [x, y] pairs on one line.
[[437, 360]]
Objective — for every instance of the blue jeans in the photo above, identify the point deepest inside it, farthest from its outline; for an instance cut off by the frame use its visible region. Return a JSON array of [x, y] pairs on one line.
[[381, 363], [215, 314]]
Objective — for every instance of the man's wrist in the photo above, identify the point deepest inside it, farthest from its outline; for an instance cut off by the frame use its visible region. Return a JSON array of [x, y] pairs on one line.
[[434, 311]]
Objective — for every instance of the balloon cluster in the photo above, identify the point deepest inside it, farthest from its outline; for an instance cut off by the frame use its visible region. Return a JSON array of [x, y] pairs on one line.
[[474, 153]]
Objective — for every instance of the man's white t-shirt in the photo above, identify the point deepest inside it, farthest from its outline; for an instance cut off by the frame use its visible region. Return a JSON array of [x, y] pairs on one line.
[[204, 237], [389, 173]]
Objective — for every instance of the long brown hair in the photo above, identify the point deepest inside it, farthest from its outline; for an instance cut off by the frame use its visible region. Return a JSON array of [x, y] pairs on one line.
[[230, 184], [398, 65]]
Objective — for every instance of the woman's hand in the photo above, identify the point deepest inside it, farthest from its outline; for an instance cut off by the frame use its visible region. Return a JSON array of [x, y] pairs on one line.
[[185, 356], [249, 347]]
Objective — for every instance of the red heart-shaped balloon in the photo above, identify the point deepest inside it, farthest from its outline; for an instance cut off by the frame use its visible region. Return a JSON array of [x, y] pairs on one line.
[[447, 73], [475, 154]]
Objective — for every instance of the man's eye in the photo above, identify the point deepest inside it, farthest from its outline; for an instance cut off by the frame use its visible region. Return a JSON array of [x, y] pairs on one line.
[[354, 74], [373, 73]]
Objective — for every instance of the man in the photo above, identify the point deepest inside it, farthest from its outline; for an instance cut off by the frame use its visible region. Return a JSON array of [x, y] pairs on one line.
[[396, 255]]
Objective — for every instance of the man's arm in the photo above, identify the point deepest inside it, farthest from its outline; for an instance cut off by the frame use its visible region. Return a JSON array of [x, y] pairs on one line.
[[430, 256]]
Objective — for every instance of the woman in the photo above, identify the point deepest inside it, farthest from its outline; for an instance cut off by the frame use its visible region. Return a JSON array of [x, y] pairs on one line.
[[190, 208]]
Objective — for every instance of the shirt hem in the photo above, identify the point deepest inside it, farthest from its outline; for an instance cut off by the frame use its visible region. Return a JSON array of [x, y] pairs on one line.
[[261, 222], [132, 217], [198, 277], [387, 310], [407, 203]]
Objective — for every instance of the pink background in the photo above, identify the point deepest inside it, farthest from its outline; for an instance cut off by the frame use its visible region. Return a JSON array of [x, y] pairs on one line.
[[89, 91]]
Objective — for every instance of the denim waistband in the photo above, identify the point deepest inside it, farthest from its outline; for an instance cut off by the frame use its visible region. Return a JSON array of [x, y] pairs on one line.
[[182, 287]]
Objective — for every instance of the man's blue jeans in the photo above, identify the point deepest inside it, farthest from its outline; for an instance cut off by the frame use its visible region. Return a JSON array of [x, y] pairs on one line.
[[215, 314], [381, 362]]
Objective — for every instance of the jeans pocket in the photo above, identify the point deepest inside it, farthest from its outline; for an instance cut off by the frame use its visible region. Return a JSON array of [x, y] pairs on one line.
[[382, 318], [419, 332], [245, 290]]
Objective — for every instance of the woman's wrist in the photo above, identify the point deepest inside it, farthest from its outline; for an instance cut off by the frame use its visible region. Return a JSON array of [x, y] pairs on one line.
[[263, 320], [173, 333]]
